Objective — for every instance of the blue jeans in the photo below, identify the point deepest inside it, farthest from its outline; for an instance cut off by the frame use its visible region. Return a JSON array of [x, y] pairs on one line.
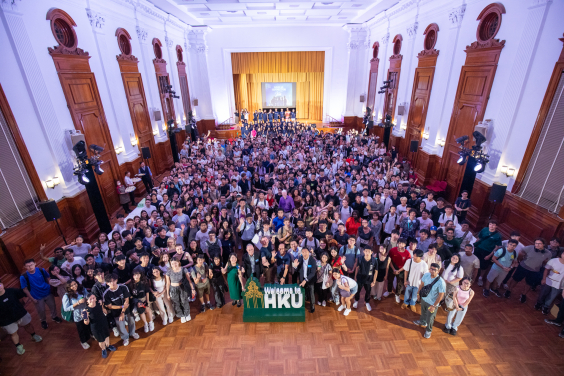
[[459, 317], [410, 295]]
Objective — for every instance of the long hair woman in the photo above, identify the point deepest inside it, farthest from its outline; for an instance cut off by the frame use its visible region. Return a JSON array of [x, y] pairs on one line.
[[166, 310], [74, 301]]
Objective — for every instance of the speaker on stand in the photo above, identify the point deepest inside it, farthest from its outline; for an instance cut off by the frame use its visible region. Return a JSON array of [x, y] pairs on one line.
[[497, 194], [51, 213]]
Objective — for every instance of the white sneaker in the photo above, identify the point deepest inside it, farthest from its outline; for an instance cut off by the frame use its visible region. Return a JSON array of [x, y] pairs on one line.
[[146, 328], [355, 305], [341, 307], [170, 318], [165, 321], [318, 303], [183, 320], [386, 294], [135, 336], [85, 345], [323, 303], [480, 281], [151, 326], [188, 318], [126, 342], [398, 300], [116, 332], [347, 311], [368, 307], [137, 318]]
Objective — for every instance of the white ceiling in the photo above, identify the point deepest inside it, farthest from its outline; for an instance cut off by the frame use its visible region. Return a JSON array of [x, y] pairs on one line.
[[276, 12]]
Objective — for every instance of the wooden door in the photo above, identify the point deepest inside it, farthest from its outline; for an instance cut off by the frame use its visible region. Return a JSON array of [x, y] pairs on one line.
[[422, 85], [137, 103], [85, 106], [470, 104]]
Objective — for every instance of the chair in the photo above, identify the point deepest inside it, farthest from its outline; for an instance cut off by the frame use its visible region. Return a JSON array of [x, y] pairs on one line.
[[437, 187]]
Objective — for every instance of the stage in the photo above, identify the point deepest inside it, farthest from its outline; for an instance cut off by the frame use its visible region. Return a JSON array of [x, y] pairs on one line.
[[234, 131]]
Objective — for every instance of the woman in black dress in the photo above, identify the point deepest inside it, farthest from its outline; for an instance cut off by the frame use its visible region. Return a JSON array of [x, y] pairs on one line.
[[96, 318]]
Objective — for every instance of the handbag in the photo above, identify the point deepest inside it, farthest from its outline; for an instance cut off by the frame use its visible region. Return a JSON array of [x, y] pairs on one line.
[[427, 288]]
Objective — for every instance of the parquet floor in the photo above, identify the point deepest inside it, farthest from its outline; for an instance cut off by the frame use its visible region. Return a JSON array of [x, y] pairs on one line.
[[497, 337]]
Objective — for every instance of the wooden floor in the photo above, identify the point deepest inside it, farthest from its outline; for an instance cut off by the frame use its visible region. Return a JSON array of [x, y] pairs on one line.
[[497, 337]]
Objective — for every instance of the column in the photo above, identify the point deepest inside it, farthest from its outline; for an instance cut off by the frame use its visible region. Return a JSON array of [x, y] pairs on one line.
[[382, 76], [150, 83], [117, 106], [198, 55], [173, 70], [440, 103], [405, 95], [511, 101], [59, 147], [358, 63]]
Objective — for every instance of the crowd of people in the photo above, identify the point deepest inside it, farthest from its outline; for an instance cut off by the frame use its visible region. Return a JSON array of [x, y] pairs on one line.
[[336, 214]]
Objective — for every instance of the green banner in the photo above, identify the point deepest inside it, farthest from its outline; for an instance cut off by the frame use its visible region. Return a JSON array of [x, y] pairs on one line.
[[273, 303]]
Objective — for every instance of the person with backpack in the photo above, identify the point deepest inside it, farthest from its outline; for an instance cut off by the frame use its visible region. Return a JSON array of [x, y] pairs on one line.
[[35, 284], [13, 315], [488, 240], [350, 253], [74, 303], [462, 297], [503, 260], [399, 256], [432, 290]]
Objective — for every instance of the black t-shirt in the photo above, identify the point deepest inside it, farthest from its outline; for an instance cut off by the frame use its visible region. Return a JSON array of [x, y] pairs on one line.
[[216, 271], [10, 306], [117, 298], [139, 290], [341, 239], [367, 268], [352, 196], [359, 207], [161, 242], [124, 274], [320, 235]]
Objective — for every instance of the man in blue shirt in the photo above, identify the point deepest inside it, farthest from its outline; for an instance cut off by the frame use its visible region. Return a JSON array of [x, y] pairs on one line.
[[283, 260], [430, 303], [278, 221], [35, 284]]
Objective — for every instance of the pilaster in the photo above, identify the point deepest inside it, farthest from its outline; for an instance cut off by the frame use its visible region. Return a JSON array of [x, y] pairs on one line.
[[513, 95], [198, 56], [440, 106], [52, 130]]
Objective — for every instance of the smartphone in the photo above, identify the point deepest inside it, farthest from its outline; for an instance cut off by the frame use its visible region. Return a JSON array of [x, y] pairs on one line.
[[84, 315]]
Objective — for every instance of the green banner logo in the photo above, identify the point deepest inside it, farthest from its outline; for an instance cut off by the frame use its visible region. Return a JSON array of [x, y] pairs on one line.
[[273, 303]]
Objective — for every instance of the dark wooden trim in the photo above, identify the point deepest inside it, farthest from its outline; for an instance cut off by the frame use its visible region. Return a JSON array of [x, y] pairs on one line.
[[22, 148], [541, 118]]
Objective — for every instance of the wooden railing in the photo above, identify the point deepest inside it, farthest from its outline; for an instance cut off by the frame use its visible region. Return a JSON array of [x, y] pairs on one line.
[[226, 124], [332, 121]]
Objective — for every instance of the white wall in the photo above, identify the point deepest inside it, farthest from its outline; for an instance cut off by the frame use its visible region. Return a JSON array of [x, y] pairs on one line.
[[531, 30], [222, 41]]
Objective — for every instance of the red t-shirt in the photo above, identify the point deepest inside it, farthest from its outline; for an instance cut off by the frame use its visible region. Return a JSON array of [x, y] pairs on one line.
[[399, 258], [352, 226]]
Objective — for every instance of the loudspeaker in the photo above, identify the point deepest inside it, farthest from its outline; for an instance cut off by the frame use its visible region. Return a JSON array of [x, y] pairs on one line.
[[413, 146], [157, 115], [146, 152], [362, 98], [498, 192], [50, 210], [76, 137]]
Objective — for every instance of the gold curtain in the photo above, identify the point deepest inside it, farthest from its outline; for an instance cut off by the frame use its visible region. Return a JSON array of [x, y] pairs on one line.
[[306, 68]]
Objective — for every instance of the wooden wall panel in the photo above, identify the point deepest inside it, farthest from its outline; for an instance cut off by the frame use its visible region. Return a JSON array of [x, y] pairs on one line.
[[23, 240], [514, 213], [427, 167]]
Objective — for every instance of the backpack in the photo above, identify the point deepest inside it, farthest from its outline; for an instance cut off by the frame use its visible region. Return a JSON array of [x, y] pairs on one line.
[[504, 252], [43, 272]]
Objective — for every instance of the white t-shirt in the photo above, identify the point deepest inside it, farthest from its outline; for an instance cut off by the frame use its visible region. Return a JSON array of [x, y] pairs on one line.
[[68, 265], [351, 282], [416, 271], [469, 263], [449, 274], [555, 277]]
